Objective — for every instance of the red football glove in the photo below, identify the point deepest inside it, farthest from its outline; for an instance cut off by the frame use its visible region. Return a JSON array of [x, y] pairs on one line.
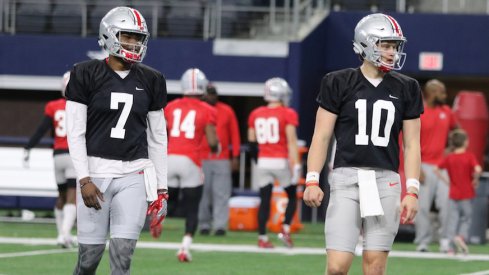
[[157, 211]]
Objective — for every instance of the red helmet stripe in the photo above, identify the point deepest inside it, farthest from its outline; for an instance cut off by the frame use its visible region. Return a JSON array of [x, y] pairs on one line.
[[138, 18], [193, 80], [395, 25]]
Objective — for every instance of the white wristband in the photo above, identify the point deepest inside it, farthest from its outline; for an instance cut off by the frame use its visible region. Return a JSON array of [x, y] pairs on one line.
[[312, 177], [412, 183]]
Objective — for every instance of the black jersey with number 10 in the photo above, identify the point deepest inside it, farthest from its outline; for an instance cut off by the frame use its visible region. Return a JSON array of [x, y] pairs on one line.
[[369, 118], [117, 107]]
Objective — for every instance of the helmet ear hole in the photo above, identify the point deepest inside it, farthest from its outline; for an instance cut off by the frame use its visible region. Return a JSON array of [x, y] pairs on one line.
[[357, 48]]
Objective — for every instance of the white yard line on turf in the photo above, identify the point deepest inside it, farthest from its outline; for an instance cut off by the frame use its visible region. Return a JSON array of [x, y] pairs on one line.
[[35, 253], [255, 249], [483, 272]]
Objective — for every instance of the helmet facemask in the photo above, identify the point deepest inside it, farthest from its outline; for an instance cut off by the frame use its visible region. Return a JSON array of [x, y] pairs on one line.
[[380, 53], [132, 52]]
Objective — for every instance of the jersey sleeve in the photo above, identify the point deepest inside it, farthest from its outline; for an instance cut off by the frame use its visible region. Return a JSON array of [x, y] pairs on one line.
[[414, 101], [329, 96], [49, 110], [159, 95], [292, 117], [76, 90], [443, 164], [473, 161]]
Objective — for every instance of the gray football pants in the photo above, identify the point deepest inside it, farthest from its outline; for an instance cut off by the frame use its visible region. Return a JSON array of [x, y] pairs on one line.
[[214, 208], [433, 189], [123, 213], [344, 223]]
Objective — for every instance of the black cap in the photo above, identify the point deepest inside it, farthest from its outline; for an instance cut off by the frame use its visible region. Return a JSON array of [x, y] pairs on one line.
[[211, 89]]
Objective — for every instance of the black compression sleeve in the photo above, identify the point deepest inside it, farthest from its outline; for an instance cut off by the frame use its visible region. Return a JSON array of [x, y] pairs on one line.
[[46, 123]]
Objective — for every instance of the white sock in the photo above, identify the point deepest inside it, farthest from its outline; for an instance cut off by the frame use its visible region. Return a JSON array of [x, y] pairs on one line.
[[186, 242], [69, 213], [263, 238], [58, 216], [286, 228]]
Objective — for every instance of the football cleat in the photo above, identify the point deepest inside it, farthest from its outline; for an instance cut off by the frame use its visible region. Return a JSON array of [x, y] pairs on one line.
[[60, 240], [286, 239], [422, 248], [67, 242], [184, 256], [264, 244]]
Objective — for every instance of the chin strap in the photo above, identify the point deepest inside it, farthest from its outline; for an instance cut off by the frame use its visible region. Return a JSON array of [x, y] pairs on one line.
[[384, 69]]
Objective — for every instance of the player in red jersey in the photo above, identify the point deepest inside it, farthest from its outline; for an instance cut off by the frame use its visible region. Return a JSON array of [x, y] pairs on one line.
[[65, 209], [272, 129], [214, 206], [189, 121], [464, 172], [436, 122]]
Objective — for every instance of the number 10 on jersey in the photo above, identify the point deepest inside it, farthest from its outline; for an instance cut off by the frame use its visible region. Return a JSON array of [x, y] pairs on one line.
[[362, 138]]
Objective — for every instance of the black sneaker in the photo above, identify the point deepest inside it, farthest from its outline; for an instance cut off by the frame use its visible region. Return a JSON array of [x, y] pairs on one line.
[[220, 232], [205, 232]]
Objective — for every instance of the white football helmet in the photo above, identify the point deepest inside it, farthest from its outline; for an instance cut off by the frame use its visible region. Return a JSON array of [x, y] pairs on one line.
[[64, 83], [126, 20], [277, 89], [194, 82], [374, 29]]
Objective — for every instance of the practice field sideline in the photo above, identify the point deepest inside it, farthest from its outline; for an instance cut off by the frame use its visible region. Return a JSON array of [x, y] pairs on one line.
[[27, 248]]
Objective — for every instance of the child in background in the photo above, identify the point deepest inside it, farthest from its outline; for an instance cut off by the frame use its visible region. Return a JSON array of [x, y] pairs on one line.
[[464, 171]]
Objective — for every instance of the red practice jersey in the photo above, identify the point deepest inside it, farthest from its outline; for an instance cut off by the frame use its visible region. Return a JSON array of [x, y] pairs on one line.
[[269, 125], [55, 109], [186, 121], [227, 132], [435, 125], [460, 168]]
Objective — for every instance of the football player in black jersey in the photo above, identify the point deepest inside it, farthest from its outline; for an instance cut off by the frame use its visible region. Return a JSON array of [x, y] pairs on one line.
[[366, 108], [118, 143]]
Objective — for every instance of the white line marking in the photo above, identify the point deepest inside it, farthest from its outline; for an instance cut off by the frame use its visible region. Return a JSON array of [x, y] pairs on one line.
[[255, 249], [36, 252], [484, 272]]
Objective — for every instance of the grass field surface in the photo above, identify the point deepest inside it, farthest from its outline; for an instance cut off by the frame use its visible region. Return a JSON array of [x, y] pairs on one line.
[[29, 248]]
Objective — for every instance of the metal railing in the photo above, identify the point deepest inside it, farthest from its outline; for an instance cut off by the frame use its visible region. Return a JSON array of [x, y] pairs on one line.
[[198, 19], [193, 19]]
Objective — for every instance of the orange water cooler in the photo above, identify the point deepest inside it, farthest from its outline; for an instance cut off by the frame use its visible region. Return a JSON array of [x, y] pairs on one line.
[[243, 213]]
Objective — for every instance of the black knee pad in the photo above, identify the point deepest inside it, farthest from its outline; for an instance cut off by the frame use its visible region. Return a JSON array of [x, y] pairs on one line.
[[71, 183], [62, 187]]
